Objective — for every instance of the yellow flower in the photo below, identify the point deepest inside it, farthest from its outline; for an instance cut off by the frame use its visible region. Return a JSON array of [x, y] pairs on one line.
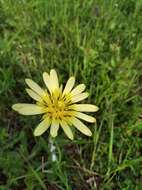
[[58, 106]]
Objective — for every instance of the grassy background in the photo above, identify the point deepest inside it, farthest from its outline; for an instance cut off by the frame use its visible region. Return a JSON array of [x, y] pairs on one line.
[[98, 41]]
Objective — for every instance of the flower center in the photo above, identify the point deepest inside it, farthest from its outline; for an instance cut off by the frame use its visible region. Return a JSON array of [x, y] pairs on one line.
[[56, 106]]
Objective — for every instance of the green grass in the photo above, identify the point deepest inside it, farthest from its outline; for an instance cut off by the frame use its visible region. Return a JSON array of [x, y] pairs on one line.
[[99, 42]]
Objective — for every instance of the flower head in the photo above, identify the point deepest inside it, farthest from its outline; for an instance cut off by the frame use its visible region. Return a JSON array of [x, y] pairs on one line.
[[58, 106]]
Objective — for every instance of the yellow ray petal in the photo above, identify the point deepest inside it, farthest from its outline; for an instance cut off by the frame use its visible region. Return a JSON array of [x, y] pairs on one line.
[[79, 97], [78, 89], [85, 107], [54, 80], [80, 126], [46, 79], [67, 129], [85, 117], [28, 109], [69, 85], [35, 87], [42, 127], [54, 128], [33, 95]]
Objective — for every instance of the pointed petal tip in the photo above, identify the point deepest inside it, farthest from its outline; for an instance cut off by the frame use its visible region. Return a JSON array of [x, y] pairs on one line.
[[53, 71], [89, 134], [13, 107], [16, 107], [83, 86], [27, 80], [54, 130], [72, 78], [53, 135], [72, 138], [93, 120], [97, 108], [36, 134], [45, 74]]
